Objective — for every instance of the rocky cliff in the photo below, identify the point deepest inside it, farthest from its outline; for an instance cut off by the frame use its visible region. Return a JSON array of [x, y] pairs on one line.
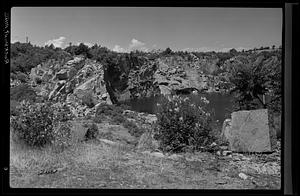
[[129, 76]]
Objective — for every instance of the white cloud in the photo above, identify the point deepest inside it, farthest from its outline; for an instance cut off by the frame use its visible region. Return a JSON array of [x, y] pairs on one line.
[[144, 49], [56, 42], [135, 44], [118, 48]]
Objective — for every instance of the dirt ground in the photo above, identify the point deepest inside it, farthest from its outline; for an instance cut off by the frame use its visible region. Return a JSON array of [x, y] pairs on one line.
[[107, 164]]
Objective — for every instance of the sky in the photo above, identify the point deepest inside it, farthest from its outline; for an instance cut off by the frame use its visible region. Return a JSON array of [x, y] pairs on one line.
[[124, 29]]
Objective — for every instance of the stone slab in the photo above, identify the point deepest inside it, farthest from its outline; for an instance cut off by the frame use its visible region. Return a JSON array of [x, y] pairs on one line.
[[249, 131]]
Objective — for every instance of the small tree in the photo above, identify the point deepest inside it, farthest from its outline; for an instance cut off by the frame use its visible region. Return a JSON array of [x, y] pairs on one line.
[[251, 81], [233, 51], [168, 51], [83, 49]]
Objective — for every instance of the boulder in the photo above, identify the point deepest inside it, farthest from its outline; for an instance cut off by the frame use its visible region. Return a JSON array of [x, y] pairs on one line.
[[95, 86], [249, 131]]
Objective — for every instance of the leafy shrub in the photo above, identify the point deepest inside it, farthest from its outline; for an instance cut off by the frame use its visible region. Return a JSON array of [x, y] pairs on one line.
[[181, 125], [22, 92], [92, 132], [34, 124], [260, 76]]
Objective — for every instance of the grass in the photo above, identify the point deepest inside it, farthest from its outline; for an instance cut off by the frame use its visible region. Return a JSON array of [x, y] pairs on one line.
[[95, 164]]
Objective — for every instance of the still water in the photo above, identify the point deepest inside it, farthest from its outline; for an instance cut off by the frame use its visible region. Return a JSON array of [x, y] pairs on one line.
[[219, 104]]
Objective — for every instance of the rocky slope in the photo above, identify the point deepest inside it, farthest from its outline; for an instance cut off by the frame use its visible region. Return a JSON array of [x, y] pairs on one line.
[[130, 76], [71, 82]]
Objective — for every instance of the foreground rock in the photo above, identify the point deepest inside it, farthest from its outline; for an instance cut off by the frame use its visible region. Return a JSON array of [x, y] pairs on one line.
[[248, 131]]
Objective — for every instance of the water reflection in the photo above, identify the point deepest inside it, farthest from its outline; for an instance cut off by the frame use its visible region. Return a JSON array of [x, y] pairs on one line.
[[219, 104]]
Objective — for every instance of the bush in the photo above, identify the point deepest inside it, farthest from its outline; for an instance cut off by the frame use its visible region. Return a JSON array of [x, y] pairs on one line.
[[251, 80], [92, 132], [34, 124], [182, 125], [133, 129], [22, 92]]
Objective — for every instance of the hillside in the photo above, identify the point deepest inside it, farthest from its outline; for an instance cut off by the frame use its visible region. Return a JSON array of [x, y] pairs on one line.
[[127, 76], [76, 96]]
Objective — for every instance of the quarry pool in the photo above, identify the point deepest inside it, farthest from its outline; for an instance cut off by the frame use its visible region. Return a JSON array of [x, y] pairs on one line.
[[219, 104]]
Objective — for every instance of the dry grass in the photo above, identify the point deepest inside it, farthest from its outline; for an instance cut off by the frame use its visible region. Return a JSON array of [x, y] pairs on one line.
[[96, 164]]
